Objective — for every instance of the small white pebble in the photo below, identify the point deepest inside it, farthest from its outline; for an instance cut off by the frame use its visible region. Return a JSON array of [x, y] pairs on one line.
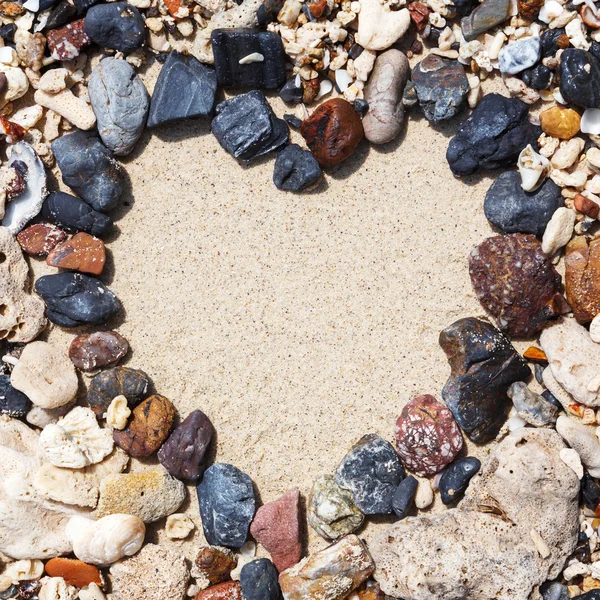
[[252, 58], [572, 460]]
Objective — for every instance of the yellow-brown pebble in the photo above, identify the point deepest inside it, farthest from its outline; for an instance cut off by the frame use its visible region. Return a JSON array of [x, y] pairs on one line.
[[560, 122]]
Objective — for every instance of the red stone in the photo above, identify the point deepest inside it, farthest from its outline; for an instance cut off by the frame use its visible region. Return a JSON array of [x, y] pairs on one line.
[[419, 14], [74, 572], [427, 436], [173, 7], [39, 239], [83, 252], [91, 351], [586, 206], [66, 43], [13, 132], [277, 527], [224, 591]]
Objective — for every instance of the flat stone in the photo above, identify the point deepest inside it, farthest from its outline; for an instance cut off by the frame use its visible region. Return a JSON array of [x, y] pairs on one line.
[[259, 581], [580, 78], [486, 16], [73, 213], [91, 351], [455, 479], [404, 496], [40, 239], [119, 381], [74, 572], [582, 278], [12, 402], [296, 169], [519, 55], [116, 26], [531, 407], [292, 92], [83, 253], [215, 564]]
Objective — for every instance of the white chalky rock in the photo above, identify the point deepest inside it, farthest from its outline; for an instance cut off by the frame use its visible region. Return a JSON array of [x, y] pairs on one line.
[[582, 438], [522, 507], [595, 329], [75, 110], [118, 413], [17, 81], [178, 526], [573, 460], [568, 152], [565, 399], [590, 121], [378, 26], [53, 81], [55, 588], [519, 55], [424, 495], [40, 417], [28, 116], [21, 570], [45, 375], [574, 360], [558, 231], [91, 592]]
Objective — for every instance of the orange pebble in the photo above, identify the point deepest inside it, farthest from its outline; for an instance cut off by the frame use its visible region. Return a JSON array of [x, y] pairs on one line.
[[74, 572], [535, 354]]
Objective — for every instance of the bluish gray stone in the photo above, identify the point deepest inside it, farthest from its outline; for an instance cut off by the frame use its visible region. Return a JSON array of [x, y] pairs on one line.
[[12, 402], [404, 496], [531, 407], [292, 92], [519, 55], [116, 26], [580, 78], [487, 15], [455, 478], [296, 169], [72, 212], [120, 102], [554, 591], [259, 580]]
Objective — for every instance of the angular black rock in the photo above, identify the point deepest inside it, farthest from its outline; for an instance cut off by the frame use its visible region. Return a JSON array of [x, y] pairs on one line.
[[554, 591], [83, 6], [73, 213], [493, 136], [404, 496], [361, 106], [582, 552], [247, 127], [296, 169], [590, 491], [183, 453], [547, 395], [185, 89], [232, 46], [268, 11], [464, 7], [538, 77], [292, 121], [118, 381], [580, 78], [513, 210], [73, 299], [483, 364], [371, 471], [116, 26], [455, 478], [227, 505], [12, 402], [88, 167], [549, 41], [259, 580], [292, 91], [63, 13]]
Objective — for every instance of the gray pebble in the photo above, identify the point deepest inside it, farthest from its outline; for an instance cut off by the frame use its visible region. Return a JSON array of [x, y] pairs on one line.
[[487, 15], [296, 169], [519, 55], [531, 407]]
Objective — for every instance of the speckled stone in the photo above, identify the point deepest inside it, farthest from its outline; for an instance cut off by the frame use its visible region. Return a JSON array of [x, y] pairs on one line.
[[119, 381]]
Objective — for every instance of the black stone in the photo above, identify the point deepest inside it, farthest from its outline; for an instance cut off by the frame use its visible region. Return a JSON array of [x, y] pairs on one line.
[[296, 169], [493, 136], [483, 364], [185, 89], [7, 32], [538, 77], [12, 402], [73, 299], [595, 49], [355, 51], [268, 11], [247, 127], [549, 397], [259, 580], [552, 590], [513, 210], [45, 5], [404, 496], [591, 595], [580, 78], [63, 13], [464, 7], [371, 471], [455, 478], [434, 35], [291, 93], [232, 45], [10, 592], [548, 40], [361, 106], [88, 167], [227, 505], [582, 552], [538, 371], [118, 381], [590, 492], [292, 121], [83, 6], [72, 212], [116, 26]]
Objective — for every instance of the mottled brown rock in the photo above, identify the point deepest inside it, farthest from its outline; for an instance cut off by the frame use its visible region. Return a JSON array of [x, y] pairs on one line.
[[118, 381], [529, 9], [419, 14], [74, 572], [83, 252], [215, 564], [332, 132], [149, 427], [517, 283], [586, 206], [582, 278], [39, 239], [92, 351], [224, 591], [66, 43], [11, 9]]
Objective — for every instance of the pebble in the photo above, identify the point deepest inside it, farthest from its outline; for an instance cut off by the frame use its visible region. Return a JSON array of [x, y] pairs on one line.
[[586, 206], [259, 581], [178, 526], [554, 591], [296, 169], [292, 92], [487, 15], [118, 381], [493, 136], [384, 91], [455, 479], [116, 26], [120, 102], [378, 26], [184, 452], [558, 231], [516, 282], [519, 55], [88, 167], [91, 351], [513, 210], [74, 572], [276, 527], [404, 496], [582, 278], [331, 509], [73, 109], [12, 402], [572, 460], [227, 505], [83, 253], [215, 564], [67, 42], [40, 239], [185, 89], [539, 77], [73, 299], [560, 122], [332, 132], [580, 78], [224, 591], [73, 213], [531, 407], [583, 440]]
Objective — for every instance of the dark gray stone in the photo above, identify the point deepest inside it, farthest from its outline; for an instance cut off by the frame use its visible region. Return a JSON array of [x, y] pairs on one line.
[[591, 595], [118, 381], [404, 496], [538, 77], [12, 402], [116, 26], [455, 479], [554, 591], [227, 505], [61, 14], [547, 395], [296, 169], [580, 78], [72, 212], [549, 40], [291, 93], [487, 15], [259, 580]]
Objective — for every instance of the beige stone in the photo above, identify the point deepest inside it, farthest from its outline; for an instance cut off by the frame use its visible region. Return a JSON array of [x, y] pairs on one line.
[[75, 110], [178, 526], [54, 81], [378, 26], [582, 438]]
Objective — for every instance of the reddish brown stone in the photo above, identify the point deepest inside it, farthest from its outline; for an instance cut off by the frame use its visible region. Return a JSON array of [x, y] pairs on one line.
[[66, 43], [332, 132], [11, 9], [92, 351], [13, 132], [173, 7], [83, 252], [529, 9], [535, 354], [317, 8], [216, 564], [586, 206], [310, 90], [582, 278], [563, 41], [419, 14], [517, 283], [74, 572], [39, 239], [224, 591]]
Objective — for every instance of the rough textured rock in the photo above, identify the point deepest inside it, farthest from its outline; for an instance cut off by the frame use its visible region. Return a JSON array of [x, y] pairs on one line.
[[455, 479], [487, 15], [65, 43], [379, 26], [73, 213], [582, 438], [215, 564], [522, 506], [118, 381], [116, 26], [531, 407], [12, 402], [83, 253], [224, 591], [91, 351], [580, 78], [259, 581], [41, 238], [582, 278], [296, 169]]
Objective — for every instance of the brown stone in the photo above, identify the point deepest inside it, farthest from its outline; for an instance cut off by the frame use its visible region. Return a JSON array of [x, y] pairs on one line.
[[92, 351], [83, 252], [582, 278], [419, 14], [586, 206], [310, 90], [317, 8], [535, 354], [529, 9], [224, 591], [332, 132], [563, 41], [149, 427], [39, 239], [66, 43], [560, 122], [11, 9], [74, 572], [216, 564], [173, 6]]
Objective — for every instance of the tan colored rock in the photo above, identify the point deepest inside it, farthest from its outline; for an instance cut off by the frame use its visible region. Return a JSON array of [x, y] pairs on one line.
[[54, 81], [65, 103], [56, 588], [582, 278], [582, 438], [178, 526], [378, 26]]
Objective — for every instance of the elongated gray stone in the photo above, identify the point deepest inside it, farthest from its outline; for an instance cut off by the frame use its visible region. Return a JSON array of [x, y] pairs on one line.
[[487, 15]]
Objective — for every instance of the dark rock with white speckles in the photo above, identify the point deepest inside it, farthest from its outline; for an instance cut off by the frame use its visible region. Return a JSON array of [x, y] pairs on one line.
[[455, 479], [554, 591], [72, 212], [12, 402], [580, 78], [259, 581]]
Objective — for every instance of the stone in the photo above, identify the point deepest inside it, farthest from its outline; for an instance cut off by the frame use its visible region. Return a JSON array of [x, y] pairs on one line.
[[12, 402], [149, 426], [88, 167], [379, 26], [215, 564], [513, 210], [371, 471], [276, 527], [516, 283], [529, 9], [529, 516], [67, 42], [580, 78], [183, 453], [519, 55], [116, 26], [118, 413], [151, 495], [178, 526], [332, 132], [83, 253], [427, 436], [582, 438], [538, 77], [582, 278], [248, 58], [560, 122], [292, 91], [259, 581], [224, 591], [73, 213], [52, 588], [586, 206], [63, 13], [486, 16], [331, 573], [118, 381], [331, 509], [227, 505], [442, 87], [185, 89], [247, 128], [40, 239], [296, 169], [493, 136], [384, 90], [558, 231], [74, 572], [120, 102], [45, 375], [455, 479], [483, 364], [404, 496], [21, 313], [73, 299], [91, 351], [531, 407]]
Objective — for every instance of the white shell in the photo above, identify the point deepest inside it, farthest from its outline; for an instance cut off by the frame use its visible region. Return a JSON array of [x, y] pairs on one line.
[[178, 526], [533, 167], [55, 588], [343, 79], [590, 121]]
